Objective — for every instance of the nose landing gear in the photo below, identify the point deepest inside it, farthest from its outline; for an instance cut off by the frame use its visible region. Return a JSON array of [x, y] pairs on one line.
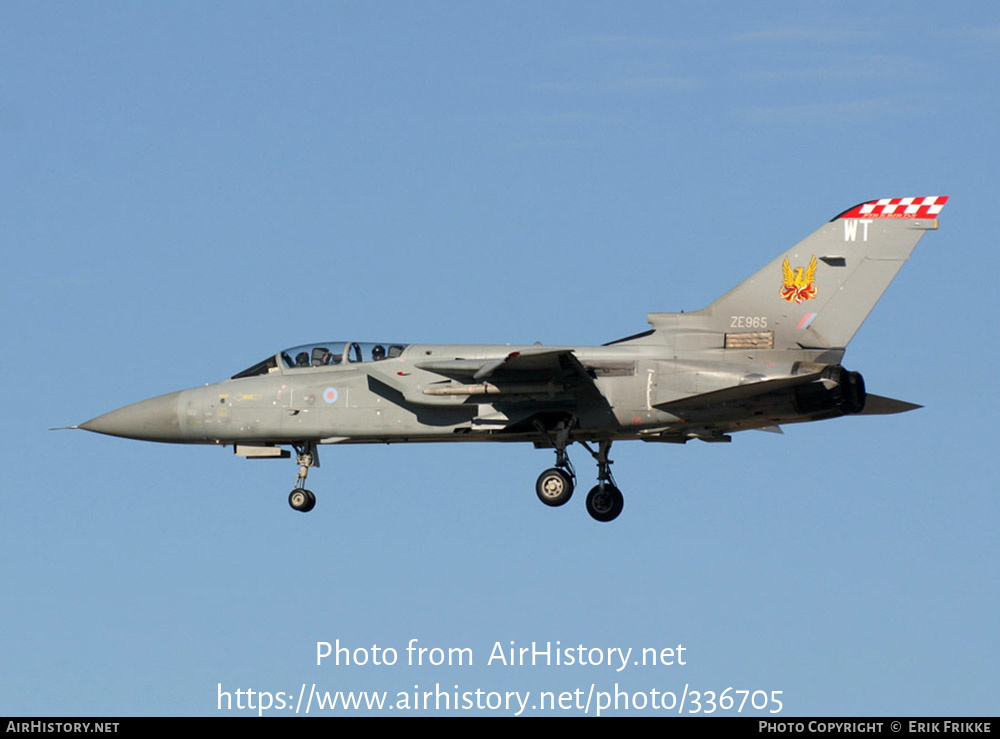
[[307, 456]]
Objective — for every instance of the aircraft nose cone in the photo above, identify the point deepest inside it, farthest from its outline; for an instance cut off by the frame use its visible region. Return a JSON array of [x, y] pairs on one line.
[[156, 419]]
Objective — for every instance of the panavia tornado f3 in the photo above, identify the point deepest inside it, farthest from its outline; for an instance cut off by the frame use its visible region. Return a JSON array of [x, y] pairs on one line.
[[765, 354]]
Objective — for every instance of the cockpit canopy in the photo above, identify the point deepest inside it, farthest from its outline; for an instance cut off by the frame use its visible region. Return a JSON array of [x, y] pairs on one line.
[[324, 354]]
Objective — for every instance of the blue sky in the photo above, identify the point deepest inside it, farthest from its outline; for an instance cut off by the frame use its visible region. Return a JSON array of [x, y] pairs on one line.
[[189, 187]]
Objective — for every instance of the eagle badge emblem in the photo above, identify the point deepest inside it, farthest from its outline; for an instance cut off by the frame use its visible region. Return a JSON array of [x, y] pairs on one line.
[[799, 284]]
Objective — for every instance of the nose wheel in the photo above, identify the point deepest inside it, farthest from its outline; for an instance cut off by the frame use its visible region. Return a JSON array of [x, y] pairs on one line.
[[302, 500]]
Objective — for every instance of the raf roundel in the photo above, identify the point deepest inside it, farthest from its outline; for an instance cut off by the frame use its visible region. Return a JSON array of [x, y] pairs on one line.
[[330, 395]]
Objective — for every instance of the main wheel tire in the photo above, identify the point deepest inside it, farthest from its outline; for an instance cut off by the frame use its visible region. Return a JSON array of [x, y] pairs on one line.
[[554, 487], [605, 504], [302, 500]]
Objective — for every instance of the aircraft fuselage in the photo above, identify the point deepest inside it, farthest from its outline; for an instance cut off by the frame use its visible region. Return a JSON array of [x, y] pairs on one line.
[[764, 354], [398, 400]]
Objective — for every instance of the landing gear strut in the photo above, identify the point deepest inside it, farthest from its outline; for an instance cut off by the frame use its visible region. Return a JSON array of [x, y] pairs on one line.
[[307, 456]]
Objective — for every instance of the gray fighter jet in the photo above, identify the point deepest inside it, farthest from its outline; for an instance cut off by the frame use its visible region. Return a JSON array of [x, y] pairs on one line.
[[765, 354]]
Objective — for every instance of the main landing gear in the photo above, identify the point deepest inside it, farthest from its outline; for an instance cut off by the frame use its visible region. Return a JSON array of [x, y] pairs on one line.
[[307, 456], [555, 486], [605, 500]]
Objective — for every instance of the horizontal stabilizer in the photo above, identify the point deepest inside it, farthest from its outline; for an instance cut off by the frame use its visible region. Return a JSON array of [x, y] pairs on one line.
[[876, 405]]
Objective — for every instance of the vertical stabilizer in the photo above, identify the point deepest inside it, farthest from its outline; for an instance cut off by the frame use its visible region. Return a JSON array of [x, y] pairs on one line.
[[818, 293]]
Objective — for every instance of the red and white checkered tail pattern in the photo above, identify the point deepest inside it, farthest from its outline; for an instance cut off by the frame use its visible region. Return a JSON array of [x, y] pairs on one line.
[[928, 207]]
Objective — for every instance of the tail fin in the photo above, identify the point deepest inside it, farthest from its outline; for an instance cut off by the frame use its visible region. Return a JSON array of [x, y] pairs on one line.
[[819, 292]]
